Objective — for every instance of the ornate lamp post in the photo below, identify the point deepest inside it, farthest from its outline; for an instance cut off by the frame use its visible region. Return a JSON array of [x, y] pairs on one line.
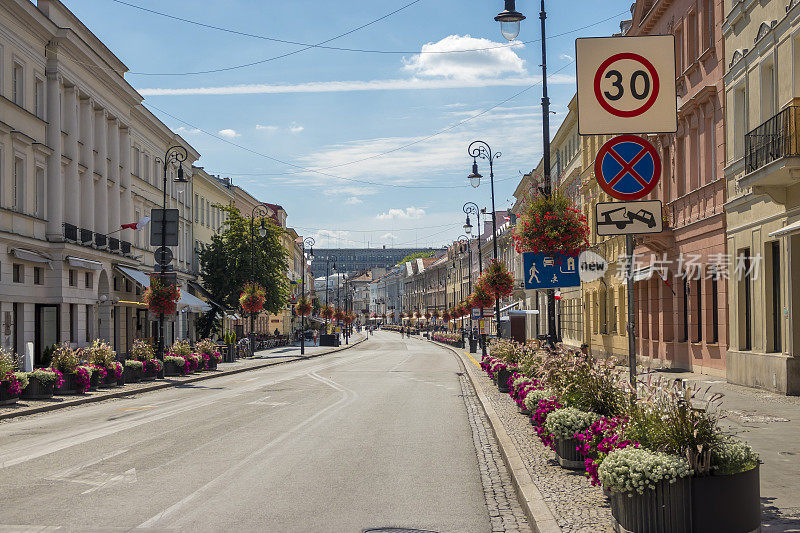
[[471, 208], [174, 154], [310, 242], [261, 210], [480, 149], [509, 20]]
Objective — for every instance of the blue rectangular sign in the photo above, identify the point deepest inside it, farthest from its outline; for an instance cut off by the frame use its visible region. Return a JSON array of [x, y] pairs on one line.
[[550, 271]]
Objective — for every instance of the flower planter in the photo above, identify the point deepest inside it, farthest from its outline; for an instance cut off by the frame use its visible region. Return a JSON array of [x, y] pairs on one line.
[[70, 384], [94, 381], [6, 398], [111, 378], [132, 375], [149, 376], [502, 379], [666, 508], [727, 504], [171, 369], [212, 364], [36, 390], [568, 456]]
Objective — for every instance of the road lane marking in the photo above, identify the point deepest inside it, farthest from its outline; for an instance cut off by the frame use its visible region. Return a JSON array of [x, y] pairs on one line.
[[348, 396], [141, 407], [63, 474]]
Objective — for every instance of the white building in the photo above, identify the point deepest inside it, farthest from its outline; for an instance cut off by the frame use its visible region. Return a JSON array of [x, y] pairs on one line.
[[79, 156]]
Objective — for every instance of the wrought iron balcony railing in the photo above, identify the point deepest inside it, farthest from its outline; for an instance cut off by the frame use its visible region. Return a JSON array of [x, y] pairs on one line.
[[775, 139], [113, 244], [70, 232], [100, 240], [86, 236]]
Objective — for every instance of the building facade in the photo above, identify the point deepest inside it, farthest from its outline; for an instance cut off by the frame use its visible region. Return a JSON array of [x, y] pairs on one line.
[[762, 92], [361, 259]]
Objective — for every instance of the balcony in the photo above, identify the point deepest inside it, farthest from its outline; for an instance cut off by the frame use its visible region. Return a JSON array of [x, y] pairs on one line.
[[100, 240], [113, 244], [86, 237], [772, 155], [125, 247], [70, 232]]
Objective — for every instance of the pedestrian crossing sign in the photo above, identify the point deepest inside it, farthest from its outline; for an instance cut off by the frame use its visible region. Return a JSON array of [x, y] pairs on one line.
[[550, 271]]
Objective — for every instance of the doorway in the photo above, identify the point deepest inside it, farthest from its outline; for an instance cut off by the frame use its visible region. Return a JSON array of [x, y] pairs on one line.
[[47, 325]]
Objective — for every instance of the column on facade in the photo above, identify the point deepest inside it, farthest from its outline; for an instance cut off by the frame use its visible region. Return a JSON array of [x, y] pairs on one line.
[[114, 175], [87, 182], [101, 168], [71, 182], [126, 206], [55, 185]]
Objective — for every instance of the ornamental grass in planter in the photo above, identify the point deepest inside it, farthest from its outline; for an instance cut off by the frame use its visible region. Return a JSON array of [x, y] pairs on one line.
[[11, 382], [133, 371], [143, 351], [102, 356], [174, 365], [77, 377]]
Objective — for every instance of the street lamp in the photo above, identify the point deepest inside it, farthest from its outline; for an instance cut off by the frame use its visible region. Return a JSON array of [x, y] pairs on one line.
[[261, 210], [480, 149], [471, 208], [509, 20], [310, 242], [174, 154]]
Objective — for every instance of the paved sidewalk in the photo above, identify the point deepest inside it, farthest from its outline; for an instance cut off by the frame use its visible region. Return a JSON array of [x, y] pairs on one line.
[[264, 358], [769, 422]]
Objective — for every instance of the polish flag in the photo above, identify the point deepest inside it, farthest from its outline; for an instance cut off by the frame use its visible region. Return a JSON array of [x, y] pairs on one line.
[[557, 294], [137, 225]]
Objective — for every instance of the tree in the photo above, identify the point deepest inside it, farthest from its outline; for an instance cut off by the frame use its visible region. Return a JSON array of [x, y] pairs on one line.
[[416, 255], [237, 256]]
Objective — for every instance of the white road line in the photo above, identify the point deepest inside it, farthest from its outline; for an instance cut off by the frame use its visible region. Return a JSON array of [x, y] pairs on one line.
[[348, 396], [69, 471]]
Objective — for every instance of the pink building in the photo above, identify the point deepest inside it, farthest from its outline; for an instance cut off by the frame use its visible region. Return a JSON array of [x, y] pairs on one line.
[[681, 290]]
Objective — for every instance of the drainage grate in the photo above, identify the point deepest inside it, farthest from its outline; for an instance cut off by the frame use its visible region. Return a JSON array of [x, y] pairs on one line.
[[397, 530]]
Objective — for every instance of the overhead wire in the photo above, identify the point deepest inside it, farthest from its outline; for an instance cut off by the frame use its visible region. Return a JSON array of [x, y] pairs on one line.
[[323, 44]]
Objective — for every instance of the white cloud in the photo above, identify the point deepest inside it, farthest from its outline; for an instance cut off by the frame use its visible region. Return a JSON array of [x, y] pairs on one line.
[[184, 130], [493, 61], [566, 57], [229, 133], [260, 127], [406, 84], [294, 127], [407, 213], [389, 236], [354, 200]]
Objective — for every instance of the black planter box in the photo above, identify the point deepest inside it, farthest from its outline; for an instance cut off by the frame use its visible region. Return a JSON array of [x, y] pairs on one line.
[[6, 398], [727, 504], [171, 369], [94, 381], [568, 456], [111, 378], [212, 364], [329, 340], [132, 375], [502, 379], [36, 390], [667, 508], [149, 376]]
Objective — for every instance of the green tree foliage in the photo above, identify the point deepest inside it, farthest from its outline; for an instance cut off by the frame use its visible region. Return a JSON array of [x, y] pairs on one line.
[[237, 255], [416, 255]]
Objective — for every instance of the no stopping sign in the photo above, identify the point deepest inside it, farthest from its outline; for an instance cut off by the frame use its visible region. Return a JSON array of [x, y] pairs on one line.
[[626, 85]]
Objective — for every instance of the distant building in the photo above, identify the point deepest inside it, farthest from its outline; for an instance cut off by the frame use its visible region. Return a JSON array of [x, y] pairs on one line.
[[360, 259]]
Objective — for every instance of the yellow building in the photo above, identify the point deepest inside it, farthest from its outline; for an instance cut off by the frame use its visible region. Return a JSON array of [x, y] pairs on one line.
[[762, 95]]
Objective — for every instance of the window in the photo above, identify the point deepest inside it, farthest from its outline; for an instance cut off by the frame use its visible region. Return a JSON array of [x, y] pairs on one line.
[[73, 278], [774, 279], [38, 193], [146, 167], [88, 322], [692, 36], [685, 307], [196, 214], [714, 308], [680, 165], [679, 52], [767, 92], [38, 276], [18, 273], [699, 313], [87, 280], [19, 185], [18, 85], [745, 302], [38, 98], [73, 322], [709, 23], [136, 161], [739, 125]]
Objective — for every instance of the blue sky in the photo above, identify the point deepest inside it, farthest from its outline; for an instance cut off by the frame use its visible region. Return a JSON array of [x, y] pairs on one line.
[[352, 114]]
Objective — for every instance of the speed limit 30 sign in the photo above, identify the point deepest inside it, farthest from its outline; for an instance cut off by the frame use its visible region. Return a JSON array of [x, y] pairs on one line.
[[626, 85]]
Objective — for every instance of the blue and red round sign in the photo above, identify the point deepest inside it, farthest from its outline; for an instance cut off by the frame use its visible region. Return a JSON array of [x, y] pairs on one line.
[[627, 167]]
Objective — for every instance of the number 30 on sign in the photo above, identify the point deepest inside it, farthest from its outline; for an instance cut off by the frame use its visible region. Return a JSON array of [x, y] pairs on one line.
[[626, 85]]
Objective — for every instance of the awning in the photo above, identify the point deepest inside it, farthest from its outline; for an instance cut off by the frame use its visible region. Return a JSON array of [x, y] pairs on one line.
[[136, 276], [207, 295], [523, 312], [195, 304], [515, 304], [786, 230], [29, 255], [233, 316], [88, 264]]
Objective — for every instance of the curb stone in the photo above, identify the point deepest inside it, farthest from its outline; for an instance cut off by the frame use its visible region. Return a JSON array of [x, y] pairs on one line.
[[165, 385], [533, 504]]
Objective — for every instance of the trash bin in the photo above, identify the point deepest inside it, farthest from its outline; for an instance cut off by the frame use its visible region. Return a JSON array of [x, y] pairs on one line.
[[473, 345]]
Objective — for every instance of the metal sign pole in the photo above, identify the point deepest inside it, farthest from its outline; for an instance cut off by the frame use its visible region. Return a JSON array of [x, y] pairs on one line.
[[631, 315]]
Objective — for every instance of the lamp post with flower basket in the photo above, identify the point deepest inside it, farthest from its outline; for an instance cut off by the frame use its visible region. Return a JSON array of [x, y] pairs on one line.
[[305, 310], [261, 210]]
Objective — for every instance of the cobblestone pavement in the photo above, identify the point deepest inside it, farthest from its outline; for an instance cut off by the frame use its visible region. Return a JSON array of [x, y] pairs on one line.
[[576, 505], [505, 512]]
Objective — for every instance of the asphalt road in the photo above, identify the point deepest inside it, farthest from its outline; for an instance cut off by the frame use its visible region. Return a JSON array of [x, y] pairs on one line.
[[374, 436]]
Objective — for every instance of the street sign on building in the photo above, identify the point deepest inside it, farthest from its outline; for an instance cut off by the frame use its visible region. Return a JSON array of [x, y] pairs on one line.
[[626, 85], [549, 271], [170, 228], [627, 167], [628, 218]]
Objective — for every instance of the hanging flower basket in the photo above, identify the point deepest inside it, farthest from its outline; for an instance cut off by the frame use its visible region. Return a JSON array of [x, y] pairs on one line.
[[338, 314], [161, 297], [551, 225], [446, 316], [349, 318], [303, 307], [327, 312], [482, 297], [497, 279], [252, 298]]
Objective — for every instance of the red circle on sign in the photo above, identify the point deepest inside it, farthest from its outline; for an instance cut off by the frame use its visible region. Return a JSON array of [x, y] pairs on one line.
[[607, 184], [598, 78]]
